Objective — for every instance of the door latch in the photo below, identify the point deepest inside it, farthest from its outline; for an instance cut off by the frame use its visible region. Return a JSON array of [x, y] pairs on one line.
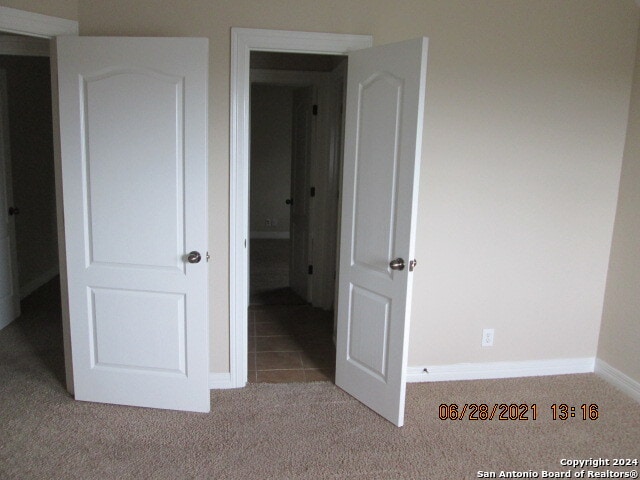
[[193, 257], [412, 264], [396, 264]]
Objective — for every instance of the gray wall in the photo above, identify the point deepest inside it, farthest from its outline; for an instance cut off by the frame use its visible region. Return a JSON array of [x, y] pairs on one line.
[[270, 159]]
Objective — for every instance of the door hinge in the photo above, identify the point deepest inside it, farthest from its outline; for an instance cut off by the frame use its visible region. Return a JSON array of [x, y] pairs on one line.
[[315, 109], [312, 191], [310, 269]]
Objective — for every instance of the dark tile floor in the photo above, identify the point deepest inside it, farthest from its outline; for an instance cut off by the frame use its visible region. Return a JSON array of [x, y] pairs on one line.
[[290, 343]]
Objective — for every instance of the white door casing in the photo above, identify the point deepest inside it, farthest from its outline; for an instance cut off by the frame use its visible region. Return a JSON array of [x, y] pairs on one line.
[[133, 153], [9, 294], [301, 133], [243, 42], [32, 24], [383, 137]]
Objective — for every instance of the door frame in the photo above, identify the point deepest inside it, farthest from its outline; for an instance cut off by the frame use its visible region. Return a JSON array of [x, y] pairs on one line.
[[32, 24], [243, 42], [44, 26]]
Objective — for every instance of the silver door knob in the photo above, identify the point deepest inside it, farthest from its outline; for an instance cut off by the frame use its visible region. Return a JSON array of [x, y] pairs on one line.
[[194, 257], [397, 264]]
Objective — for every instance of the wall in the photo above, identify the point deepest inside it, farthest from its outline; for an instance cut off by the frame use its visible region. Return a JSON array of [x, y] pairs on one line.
[[271, 110], [620, 333], [525, 122], [56, 8], [31, 138]]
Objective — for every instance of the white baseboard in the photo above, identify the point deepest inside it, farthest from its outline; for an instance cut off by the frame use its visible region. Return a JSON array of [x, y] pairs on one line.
[[36, 283], [220, 381], [618, 379], [481, 371], [270, 235]]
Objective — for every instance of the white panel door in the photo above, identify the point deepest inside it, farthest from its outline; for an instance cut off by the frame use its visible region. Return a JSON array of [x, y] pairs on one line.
[[133, 131], [383, 136], [9, 295]]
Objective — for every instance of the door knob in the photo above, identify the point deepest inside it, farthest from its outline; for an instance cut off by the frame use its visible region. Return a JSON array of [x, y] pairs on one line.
[[289, 201], [194, 257], [397, 264], [14, 210]]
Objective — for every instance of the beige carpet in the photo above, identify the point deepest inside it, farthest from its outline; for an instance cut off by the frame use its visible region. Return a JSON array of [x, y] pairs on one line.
[[309, 431]]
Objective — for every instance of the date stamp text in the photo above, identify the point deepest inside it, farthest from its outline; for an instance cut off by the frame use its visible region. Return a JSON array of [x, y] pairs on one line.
[[516, 411]]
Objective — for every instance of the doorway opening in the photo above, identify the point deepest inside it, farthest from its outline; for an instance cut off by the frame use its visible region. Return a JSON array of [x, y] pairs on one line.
[[31, 27], [244, 42], [30, 292], [30, 170], [296, 106]]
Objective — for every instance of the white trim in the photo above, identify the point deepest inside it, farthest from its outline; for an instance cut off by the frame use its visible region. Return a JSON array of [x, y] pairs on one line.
[[618, 379], [220, 381], [481, 371], [35, 24], [36, 283], [24, 46], [243, 41], [270, 235]]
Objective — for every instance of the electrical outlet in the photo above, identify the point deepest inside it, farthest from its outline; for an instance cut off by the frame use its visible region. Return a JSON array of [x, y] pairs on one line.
[[487, 337], [267, 222]]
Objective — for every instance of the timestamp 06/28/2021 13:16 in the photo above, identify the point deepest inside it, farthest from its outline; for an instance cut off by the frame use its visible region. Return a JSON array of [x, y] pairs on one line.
[[516, 411]]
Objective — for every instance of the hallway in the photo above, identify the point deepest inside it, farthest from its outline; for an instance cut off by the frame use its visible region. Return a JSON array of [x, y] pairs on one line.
[[290, 343], [289, 340]]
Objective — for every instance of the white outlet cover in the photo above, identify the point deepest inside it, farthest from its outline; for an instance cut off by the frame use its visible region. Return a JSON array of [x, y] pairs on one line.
[[487, 337]]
